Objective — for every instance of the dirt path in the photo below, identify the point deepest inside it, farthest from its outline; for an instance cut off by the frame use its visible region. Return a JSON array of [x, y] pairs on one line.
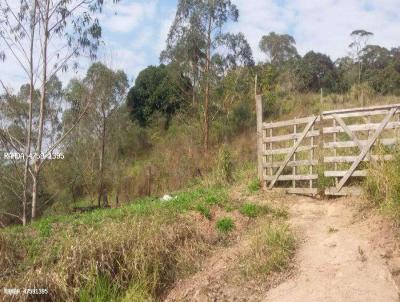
[[339, 258]]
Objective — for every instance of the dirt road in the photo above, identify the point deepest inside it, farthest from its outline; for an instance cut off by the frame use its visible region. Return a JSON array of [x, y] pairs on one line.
[[341, 257], [338, 258]]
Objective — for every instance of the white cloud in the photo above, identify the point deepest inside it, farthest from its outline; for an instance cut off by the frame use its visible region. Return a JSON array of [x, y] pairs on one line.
[[125, 17], [321, 25]]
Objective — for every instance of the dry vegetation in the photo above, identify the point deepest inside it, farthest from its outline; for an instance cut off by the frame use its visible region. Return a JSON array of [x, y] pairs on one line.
[[135, 252]]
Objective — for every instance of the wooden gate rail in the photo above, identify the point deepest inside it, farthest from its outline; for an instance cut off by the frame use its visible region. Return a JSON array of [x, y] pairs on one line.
[[287, 149], [350, 139], [273, 170]]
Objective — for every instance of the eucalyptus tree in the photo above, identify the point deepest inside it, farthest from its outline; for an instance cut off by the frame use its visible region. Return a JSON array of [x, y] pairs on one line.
[[360, 38], [279, 48], [44, 37], [199, 26], [106, 90]]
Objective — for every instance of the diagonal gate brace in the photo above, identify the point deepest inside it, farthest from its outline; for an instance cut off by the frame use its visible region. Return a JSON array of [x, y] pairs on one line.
[[365, 149], [290, 154]]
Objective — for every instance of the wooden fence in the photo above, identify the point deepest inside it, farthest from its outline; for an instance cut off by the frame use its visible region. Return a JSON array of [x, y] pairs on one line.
[[329, 150]]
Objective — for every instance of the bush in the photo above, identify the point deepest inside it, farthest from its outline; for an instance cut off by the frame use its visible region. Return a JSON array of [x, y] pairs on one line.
[[251, 210], [224, 166], [225, 225]]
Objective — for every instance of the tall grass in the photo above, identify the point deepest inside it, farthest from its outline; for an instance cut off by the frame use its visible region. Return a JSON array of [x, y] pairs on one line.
[[271, 250], [128, 253], [382, 185]]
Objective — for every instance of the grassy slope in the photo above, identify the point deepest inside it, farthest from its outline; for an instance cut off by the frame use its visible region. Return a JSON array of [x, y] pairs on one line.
[[142, 247]]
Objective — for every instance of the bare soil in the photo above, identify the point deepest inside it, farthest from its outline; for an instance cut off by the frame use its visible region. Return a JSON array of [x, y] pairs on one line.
[[343, 254]]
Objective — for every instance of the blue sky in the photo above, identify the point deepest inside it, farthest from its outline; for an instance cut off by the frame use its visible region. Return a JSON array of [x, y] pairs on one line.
[[135, 30]]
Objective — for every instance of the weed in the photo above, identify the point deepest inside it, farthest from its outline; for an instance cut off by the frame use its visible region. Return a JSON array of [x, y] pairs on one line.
[[252, 210], [332, 230], [101, 290], [382, 185], [204, 210], [272, 249], [225, 225], [254, 186]]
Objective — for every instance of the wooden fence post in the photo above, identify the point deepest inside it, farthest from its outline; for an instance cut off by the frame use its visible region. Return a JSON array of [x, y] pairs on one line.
[[259, 113]]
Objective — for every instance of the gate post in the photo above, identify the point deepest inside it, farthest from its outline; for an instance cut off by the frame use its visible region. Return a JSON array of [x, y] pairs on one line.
[[259, 113]]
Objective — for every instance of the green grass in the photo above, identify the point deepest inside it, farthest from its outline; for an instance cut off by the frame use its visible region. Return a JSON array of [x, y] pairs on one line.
[[382, 186], [252, 210], [148, 241], [254, 186], [205, 211], [225, 225], [272, 249]]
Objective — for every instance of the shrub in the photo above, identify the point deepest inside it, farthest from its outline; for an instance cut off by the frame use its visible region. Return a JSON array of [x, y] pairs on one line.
[[254, 186], [225, 225], [224, 173]]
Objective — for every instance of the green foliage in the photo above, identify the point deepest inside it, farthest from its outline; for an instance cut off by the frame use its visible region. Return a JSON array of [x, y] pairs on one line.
[[278, 48], [254, 186], [225, 225], [382, 185], [252, 210], [100, 290], [224, 165], [205, 211], [160, 90]]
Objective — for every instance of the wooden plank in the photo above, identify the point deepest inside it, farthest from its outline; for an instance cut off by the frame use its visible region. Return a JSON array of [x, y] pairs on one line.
[[357, 114], [308, 191], [357, 173], [351, 144], [296, 163], [347, 130], [292, 177], [294, 155], [287, 150], [360, 127], [260, 130], [288, 137], [290, 154], [366, 149], [290, 122], [350, 159], [352, 191], [361, 109]]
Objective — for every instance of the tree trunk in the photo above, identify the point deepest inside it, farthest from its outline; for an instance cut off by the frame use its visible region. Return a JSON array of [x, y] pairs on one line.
[[207, 89], [30, 102], [101, 166], [36, 171]]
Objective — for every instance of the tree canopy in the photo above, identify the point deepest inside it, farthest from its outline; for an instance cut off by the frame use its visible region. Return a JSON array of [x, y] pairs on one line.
[[157, 90]]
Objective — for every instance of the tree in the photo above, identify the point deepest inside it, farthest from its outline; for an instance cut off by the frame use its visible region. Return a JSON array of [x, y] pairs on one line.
[[278, 48], [236, 52], [317, 71], [205, 20], [106, 89], [360, 40], [27, 30], [159, 89]]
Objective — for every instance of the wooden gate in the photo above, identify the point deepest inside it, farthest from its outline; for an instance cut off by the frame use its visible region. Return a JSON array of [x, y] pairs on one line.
[[353, 137], [290, 151]]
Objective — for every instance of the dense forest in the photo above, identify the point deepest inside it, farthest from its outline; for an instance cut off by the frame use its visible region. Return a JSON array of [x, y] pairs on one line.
[[99, 141]]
